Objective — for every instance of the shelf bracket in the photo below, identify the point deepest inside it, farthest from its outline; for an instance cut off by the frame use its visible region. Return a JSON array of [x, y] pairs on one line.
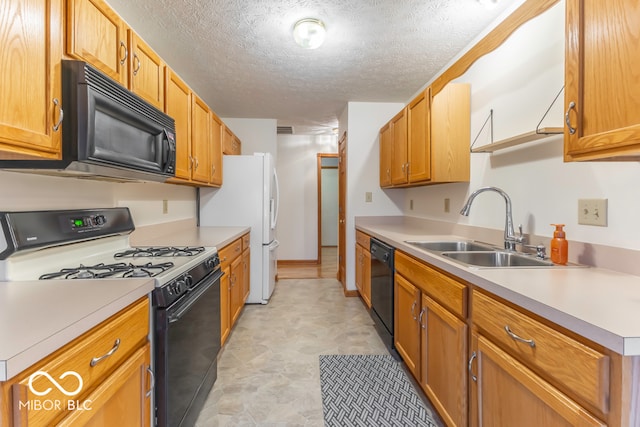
[[488, 120], [540, 132]]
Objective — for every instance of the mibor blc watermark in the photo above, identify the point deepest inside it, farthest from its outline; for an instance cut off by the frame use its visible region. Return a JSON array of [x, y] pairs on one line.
[[55, 404]]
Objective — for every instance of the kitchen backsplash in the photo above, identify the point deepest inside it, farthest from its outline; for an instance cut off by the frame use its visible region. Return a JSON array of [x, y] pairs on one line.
[[23, 191]]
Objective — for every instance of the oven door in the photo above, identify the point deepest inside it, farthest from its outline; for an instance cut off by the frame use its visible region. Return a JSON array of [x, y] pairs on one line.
[[187, 343]]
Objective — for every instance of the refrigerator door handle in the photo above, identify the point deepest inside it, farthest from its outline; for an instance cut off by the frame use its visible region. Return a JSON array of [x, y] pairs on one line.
[[274, 209]]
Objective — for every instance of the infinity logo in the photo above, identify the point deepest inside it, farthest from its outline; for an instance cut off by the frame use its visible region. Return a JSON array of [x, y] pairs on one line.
[[55, 383]]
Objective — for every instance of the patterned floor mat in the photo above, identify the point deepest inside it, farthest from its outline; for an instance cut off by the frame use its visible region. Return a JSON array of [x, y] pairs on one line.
[[369, 390]]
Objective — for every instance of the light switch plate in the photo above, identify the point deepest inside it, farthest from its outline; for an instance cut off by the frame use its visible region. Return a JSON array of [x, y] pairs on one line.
[[592, 212], [368, 197]]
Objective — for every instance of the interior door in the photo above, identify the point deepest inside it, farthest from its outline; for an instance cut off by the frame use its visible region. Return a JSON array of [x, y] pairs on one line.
[[342, 212]]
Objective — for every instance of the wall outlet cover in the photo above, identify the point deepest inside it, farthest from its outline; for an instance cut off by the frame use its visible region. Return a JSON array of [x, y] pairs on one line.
[[592, 212]]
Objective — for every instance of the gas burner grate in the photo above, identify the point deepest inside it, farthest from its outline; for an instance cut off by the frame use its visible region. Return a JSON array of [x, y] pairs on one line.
[[102, 271], [165, 251]]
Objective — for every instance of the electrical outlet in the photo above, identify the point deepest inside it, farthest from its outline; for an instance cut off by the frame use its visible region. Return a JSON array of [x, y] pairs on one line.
[[592, 212], [447, 205], [368, 197], [410, 204], [165, 206]]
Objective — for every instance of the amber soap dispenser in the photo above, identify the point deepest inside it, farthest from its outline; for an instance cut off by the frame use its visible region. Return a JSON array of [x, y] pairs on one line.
[[559, 246]]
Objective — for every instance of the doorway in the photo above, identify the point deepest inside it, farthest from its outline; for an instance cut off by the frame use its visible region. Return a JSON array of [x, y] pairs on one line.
[[327, 169]]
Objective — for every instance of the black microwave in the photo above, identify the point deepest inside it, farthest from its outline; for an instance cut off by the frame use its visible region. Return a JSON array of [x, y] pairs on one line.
[[108, 132]]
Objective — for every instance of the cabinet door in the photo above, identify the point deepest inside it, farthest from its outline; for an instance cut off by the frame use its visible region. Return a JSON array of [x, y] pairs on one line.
[[216, 150], [406, 326], [225, 300], [227, 141], [97, 35], [200, 139], [366, 277], [602, 90], [236, 289], [146, 77], [451, 134], [178, 105], [123, 399], [419, 138], [444, 362], [506, 393], [30, 82], [386, 142], [359, 267], [399, 163], [246, 274]]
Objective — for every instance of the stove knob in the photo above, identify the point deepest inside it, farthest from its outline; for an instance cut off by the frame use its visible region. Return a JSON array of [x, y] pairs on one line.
[[210, 263], [99, 220], [188, 280], [179, 286]]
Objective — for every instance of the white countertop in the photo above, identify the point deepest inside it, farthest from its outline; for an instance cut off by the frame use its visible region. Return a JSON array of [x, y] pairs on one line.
[[601, 305], [39, 317]]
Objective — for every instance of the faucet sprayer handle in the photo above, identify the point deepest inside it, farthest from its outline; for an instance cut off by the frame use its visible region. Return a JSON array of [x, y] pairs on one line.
[[520, 237]]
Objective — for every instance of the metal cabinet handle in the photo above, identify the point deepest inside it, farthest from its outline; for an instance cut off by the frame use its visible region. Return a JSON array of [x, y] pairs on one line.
[[567, 119], [413, 306], [407, 168], [197, 163], [126, 53], [136, 69], [517, 338], [57, 125], [403, 167], [96, 360], [473, 356], [153, 381], [422, 325]]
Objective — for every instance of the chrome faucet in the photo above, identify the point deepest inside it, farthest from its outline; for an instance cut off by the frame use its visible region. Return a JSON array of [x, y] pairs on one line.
[[510, 238]]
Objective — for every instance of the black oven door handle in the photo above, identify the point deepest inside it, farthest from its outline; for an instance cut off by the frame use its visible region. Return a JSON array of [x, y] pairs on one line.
[[180, 309]]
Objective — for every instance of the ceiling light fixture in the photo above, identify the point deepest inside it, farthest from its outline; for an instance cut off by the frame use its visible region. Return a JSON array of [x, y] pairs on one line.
[[489, 4], [309, 33]]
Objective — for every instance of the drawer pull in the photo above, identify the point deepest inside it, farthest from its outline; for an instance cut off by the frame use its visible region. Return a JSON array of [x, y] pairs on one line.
[[153, 381], [517, 338], [96, 360], [473, 377]]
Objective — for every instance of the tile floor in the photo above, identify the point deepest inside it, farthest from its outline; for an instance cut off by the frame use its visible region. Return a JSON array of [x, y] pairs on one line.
[[268, 372]]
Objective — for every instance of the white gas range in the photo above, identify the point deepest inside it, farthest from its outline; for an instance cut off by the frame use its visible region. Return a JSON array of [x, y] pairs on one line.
[[93, 244]]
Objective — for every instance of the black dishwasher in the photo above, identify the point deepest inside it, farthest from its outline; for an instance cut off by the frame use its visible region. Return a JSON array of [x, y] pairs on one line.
[[382, 291]]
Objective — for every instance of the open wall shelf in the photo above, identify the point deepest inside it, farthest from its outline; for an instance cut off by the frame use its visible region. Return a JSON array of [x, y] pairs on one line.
[[518, 139]]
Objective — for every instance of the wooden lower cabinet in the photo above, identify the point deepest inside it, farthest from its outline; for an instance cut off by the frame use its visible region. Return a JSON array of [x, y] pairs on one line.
[[444, 361], [431, 335], [113, 362], [363, 267], [234, 286], [506, 393]]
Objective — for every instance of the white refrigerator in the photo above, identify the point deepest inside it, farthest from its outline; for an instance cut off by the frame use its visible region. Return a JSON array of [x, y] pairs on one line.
[[248, 197]]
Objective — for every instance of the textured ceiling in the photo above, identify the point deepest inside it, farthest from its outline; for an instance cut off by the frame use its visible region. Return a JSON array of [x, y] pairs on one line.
[[240, 57]]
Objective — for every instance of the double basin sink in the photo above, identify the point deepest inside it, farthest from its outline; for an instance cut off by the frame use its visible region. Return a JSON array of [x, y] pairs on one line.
[[480, 255]]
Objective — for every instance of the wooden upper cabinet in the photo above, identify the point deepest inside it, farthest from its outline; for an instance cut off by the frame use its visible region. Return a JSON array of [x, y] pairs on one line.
[[216, 150], [419, 137], [602, 90], [200, 140], [146, 76], [399, 148], [451, 134], [385, 155], [231, 144], [96, 34], [178, 105], [30, 79]]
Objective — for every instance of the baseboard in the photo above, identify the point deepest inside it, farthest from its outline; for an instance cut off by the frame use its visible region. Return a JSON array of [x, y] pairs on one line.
[[298, 262], [354, 293]]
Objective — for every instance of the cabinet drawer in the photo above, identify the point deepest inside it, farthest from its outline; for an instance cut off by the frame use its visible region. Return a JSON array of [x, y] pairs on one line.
[[578, 369], [129, 328], [230, 252], [362, 239], [246, 241], [445, 290]]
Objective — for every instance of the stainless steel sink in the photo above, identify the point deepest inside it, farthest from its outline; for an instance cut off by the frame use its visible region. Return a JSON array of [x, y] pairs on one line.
[[497, 259], [450, 246]]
